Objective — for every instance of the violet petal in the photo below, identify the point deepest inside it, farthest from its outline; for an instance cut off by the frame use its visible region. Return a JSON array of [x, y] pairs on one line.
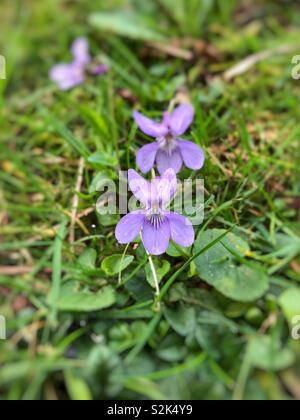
[[139, 187], [129, 227], [149, 127], [166, 161], [146, 157], [165, 186], [192, 154], [182, 231], [156, 240], [166, 119], [181, 119], [67, 76], [80, 51]]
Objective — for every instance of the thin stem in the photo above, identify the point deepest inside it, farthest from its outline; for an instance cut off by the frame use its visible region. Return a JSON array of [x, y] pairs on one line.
[[154, 275], [133, 273], [122, 260]]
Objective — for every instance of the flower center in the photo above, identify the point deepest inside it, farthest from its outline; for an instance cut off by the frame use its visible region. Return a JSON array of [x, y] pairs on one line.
[[156, 216], [169, 138], [167, 143]]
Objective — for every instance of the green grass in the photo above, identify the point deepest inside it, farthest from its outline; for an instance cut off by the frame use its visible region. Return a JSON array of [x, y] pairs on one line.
[[204, 330]]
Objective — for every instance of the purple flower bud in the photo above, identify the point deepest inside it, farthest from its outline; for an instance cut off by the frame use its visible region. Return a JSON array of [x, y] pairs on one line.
[[99, 69]]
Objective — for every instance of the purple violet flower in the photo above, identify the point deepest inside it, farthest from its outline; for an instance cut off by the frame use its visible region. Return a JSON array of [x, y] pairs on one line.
[[67, 76], [169, 150], [157, 224]]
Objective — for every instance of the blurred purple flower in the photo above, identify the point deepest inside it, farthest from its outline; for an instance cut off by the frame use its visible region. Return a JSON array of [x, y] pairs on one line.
[[157, 224], [99, 69], [67, 76], [169, 150]]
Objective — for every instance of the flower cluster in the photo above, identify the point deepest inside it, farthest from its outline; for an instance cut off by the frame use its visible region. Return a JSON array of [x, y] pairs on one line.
[[156, 224]]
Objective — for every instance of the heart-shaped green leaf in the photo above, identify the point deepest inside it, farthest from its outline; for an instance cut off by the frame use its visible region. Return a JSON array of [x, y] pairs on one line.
[[114, 264], [86, 301], [220, 267], [265, 353], [87, 259]]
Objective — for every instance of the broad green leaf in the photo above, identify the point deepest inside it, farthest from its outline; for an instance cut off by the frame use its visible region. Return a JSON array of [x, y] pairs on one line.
[[264, 353], [232, 241], [86, 301], [175, 250], [139, 289], [221, 269], [182, 319], [87, 258], [162, 268], [242, 284], [103, 159], [124, 24], [290, 303], [115, 263], [172, 349]]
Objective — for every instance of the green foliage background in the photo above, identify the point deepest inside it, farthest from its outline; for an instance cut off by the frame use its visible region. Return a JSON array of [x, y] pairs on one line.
[[221, 328]]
